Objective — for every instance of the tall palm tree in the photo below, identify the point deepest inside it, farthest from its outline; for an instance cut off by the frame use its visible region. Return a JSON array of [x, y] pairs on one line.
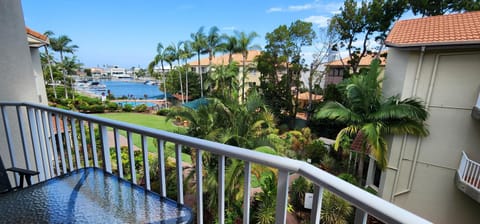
[[199, 45], [159, 58], [230, 45], [174, 50], [214, 41], [49, 33], [185, 54], [245, 43], [370, 117], [62, 45]]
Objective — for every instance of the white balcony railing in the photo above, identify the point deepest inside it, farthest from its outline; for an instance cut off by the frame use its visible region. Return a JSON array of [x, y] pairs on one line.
[[468, 177], [34, 127]]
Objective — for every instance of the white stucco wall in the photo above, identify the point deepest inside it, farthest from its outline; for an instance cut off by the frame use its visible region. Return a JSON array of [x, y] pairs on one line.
[[16, 73], [420, 175]]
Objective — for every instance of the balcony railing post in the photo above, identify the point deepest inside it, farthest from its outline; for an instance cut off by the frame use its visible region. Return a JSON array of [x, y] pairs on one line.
[[146, 168], [282, 197], [221, 189], [35, 143], [107, 164], [161, 167], [179, 170], [60, 142], [47, 142], [10, 145], [93, 141], [360, 216], [42, 148], [67, 142], [73, 122], [118, 152], [199, 175], [131, 157], [84, 144], [246, 192], [316, 205], [21, 124]]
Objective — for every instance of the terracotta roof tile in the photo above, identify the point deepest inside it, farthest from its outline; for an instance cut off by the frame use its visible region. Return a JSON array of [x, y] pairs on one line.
[[223, 59], [36, 34], [452, 29]]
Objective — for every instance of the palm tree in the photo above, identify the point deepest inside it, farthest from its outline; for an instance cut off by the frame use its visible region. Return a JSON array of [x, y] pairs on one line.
[[370, 117], [185, 54], [49, 33], [230, 45], [159, 58], [244, 45], [62, 45], [199, 44], [214, 40], [174, 50]]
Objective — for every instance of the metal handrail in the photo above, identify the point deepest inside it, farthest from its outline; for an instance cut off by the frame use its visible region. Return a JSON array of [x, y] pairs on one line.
[[363, 200]]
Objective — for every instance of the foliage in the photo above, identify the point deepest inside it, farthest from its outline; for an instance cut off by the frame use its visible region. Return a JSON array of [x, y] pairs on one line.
[[263, 211], [366, 111], [127, 108], [163, 112], [440, 7], [112, 106], [141, 108], [300, 186], [335, 210], [282, 55], [315, 151]]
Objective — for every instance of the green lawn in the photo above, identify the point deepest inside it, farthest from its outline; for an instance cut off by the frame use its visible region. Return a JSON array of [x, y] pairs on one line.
[[151, 121]]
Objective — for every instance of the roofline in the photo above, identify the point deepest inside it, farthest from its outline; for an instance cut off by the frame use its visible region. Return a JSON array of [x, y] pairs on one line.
[[439, 44]]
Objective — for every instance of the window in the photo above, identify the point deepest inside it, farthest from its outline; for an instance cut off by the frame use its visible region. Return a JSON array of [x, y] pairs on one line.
[[376, 176]]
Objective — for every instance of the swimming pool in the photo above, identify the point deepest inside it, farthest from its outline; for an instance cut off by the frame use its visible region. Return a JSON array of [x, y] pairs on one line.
[[131, 89], [134, 104]]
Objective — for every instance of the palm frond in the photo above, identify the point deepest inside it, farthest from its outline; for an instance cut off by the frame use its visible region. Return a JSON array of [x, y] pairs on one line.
[[336, 111]]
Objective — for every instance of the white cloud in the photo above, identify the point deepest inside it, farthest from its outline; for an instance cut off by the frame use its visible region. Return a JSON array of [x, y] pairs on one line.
[[300, 7], [274, 9], [321, 21]]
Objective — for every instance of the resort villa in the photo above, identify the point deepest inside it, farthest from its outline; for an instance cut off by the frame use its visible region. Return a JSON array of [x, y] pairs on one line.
[[436, 59]]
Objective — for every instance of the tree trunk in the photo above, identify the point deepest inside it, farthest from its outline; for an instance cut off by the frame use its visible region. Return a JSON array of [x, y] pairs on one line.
[[186, 81], [361, 165], [180, 77], [201, 76], [243, 76], [51, 73], [63, 74]]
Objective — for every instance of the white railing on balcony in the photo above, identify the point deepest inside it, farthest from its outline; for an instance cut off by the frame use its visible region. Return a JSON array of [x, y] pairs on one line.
[[468, 177], [30, 132]]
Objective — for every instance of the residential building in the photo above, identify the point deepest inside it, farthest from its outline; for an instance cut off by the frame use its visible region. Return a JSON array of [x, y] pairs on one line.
[[253, 76], [335, 69], [436, 59]]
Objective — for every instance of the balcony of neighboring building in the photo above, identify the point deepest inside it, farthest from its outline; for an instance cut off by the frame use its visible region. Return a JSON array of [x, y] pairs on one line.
[[467, 177]]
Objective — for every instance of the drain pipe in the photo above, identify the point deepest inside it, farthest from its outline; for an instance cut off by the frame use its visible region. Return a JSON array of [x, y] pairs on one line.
[[417, 146]]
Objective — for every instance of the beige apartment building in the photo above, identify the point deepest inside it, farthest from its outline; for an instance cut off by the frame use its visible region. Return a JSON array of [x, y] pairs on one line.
[[436, 59]]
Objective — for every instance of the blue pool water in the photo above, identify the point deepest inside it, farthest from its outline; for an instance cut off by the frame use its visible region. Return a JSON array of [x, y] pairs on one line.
[[136, 89]]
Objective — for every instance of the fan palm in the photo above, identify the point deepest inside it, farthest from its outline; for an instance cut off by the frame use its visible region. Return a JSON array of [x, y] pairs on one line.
[[244, 44], [159, 58], [371, 117], [62, 45], [214, 41], [199, 45]]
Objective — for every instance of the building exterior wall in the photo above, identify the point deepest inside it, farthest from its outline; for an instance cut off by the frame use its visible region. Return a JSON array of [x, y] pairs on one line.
[[421, 171], [38, 73]]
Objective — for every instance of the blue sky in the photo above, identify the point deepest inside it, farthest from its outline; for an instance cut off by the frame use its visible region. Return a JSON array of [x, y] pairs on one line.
[[126, 32]]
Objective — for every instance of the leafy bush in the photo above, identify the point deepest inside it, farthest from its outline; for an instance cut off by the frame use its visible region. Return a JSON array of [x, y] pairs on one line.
[[127, 108], [141, 108], [349, 178], [315, 151], [163, 112], [96, 109], [111, 106]]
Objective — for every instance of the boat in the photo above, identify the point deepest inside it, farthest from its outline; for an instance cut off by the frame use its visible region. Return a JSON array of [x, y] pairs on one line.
[[97, 86], [150, 83]]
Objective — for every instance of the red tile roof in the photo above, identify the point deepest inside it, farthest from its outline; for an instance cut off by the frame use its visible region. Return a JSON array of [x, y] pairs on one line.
[[452, 29], [223, 59], [36, 34]]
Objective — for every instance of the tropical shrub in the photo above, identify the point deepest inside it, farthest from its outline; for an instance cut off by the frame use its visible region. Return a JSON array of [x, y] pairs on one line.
[[111, 106], [127, 108], [163, 112], [141, 108]]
